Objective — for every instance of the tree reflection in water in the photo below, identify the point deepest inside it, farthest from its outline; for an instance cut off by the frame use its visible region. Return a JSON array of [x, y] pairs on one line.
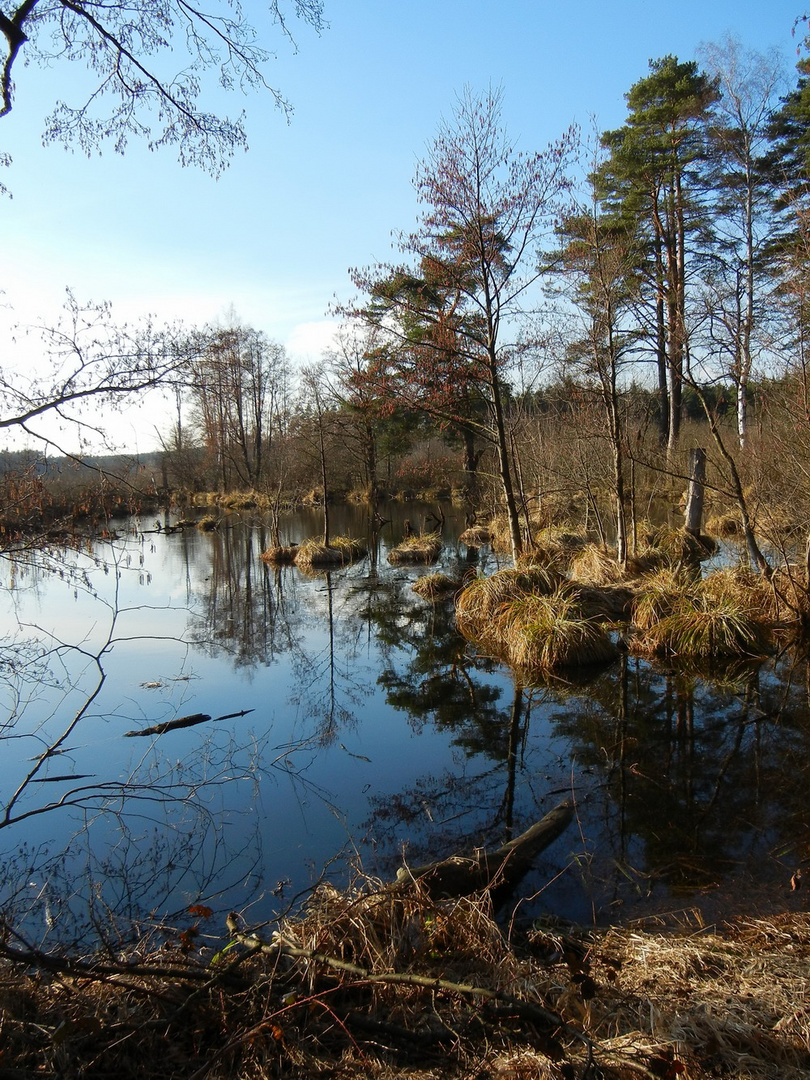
[[689, 790], [703, 792]]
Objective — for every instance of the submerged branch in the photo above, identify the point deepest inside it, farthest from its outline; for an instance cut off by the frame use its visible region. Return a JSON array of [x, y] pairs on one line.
[[183, 722]]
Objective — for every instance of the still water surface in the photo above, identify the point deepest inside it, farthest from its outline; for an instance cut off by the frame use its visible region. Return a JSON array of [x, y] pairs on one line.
[[371, 733]]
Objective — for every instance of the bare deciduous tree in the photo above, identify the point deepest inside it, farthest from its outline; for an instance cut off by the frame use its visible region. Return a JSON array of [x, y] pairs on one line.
[[140, 89]]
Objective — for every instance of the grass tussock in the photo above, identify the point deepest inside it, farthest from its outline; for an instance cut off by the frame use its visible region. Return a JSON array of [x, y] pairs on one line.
[[727, 526], [242, 500], [555, 547], [595, 565], [728, 614], [416, 549], [476, 536], [663, 547], [547, 633], [704, 633], [342, 551], [209, 523], [677, 545], [482, 598], [281, 555], [375, 983], [533, 619], [660, 595], [742, 586], [436, 586], [232, 500], [500, 535], [608, 603], [550, 527]]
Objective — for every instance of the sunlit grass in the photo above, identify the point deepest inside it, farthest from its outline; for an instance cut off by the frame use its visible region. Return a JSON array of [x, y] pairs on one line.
[[533, 619], [483, 596], [436, 586], [417, 549], [549, 632], [661, 595], [314, 554]]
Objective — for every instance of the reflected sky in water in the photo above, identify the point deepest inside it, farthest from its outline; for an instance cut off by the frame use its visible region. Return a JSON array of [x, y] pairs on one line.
[[371, 733]]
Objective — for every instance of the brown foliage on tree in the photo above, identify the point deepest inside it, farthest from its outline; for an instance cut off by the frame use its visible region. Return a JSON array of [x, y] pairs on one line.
[[456, 315]]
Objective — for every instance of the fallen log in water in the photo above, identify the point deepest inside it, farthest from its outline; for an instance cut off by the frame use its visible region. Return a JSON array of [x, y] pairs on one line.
[[498, 870], [181, 722]]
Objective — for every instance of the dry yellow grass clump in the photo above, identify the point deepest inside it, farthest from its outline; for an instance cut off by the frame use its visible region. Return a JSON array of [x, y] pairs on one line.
[[556, 547], [664, 547], [533, 619], [546, 633], [282, 555], [726, 615], [476, 536], [482, 598], [341, 551], [659, 595], [436, 586], [595, 565], [726, 525], [677, 545], [417, 549]]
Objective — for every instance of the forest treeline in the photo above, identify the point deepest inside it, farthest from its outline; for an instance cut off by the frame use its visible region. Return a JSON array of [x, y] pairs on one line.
[[562, 328]]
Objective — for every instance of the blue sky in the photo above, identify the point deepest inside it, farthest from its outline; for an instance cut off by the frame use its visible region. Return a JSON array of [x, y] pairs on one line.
[[273, 237]]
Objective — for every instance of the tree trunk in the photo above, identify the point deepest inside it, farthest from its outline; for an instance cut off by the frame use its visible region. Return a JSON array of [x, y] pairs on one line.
[[693, 522], [504, 465]]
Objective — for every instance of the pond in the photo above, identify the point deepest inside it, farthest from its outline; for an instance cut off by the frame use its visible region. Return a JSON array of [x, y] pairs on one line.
[[343, 727]]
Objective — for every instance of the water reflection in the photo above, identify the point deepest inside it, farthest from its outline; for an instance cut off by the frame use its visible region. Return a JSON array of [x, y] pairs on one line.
[[375, 727], [702, 780]]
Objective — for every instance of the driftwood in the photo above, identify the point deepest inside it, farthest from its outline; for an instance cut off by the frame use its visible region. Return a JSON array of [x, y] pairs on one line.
[[499, 870], [181, 722]]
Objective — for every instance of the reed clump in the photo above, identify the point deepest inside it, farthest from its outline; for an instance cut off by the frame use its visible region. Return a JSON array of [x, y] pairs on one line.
[[232, 500], [535, 618], [727, 525], [677, 545], [555, 546], [416, 549], [595, 565], [549, 525], [660, 595], [547, 633], [482, 597], [281, 554]]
